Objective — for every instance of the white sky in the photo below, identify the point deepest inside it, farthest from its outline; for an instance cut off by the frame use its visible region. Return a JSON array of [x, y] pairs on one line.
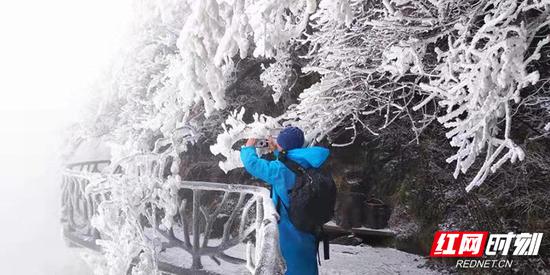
[[50, 53]]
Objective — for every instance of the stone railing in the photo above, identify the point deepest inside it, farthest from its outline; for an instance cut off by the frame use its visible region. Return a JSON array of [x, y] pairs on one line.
[[217, 229]]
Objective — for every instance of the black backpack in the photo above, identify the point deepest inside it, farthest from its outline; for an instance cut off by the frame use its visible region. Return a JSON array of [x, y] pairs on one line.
[[311, 199]]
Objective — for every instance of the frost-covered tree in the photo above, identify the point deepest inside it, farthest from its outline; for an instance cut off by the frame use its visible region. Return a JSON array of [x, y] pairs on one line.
[[480, 77], [170, 77], [469, 65], [471, 58]]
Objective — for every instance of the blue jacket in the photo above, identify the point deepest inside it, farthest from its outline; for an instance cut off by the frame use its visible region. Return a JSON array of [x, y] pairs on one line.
[[299, 249]]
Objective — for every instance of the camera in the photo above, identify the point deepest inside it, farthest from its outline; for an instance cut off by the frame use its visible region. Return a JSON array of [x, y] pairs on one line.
[[261, 143]]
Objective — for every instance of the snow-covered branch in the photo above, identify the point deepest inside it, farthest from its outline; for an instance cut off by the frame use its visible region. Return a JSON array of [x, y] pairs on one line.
[[478, 81], [235, 129]]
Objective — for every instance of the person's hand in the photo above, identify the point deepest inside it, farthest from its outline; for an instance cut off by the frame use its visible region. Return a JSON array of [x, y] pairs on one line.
[[250, 142], [272, 144]]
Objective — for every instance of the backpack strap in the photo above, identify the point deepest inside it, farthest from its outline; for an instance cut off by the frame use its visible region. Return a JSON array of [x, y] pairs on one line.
[[290, 164], [294, 167], [326, 243], [321, 236], [278, 206]]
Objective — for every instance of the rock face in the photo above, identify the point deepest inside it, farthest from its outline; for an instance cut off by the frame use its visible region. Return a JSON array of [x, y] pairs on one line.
[[393, 175]]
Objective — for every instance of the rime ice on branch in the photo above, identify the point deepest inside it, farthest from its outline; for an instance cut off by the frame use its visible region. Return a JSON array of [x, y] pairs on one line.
[[235, 129], [470, 59], [478, 81], [466, 64]]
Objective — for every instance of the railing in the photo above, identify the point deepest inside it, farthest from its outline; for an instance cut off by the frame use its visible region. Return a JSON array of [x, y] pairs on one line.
[[77, 208], [235, 224]]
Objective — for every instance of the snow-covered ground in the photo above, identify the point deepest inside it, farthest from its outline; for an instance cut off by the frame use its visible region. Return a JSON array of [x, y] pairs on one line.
[[345, 260], [372, 260]]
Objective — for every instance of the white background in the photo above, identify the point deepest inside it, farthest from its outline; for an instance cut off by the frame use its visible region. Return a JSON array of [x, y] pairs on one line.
[[50, 54]]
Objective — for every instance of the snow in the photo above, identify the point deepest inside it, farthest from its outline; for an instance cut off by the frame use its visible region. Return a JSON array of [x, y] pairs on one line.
[[179, 257], [477, 84], [362, 260], [386, 231], [278, 75], [235, 129], [182, 55], [91, 149], [375, 59], [126, 241]]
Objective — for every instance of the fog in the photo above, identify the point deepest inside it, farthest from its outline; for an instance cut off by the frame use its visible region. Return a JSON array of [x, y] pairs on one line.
[[50, 53]]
